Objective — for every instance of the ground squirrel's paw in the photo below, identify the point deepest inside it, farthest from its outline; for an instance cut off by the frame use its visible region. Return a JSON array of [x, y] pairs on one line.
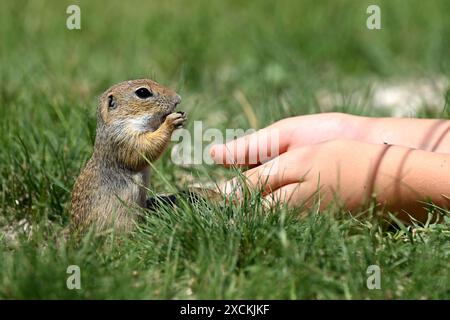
[[176, 119]]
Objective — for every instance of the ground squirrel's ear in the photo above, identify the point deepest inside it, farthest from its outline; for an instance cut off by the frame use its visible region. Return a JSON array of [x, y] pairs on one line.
[[112, 102]]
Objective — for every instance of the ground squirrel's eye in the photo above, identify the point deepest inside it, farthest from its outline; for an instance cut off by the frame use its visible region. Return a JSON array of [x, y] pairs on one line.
[[143, 93]]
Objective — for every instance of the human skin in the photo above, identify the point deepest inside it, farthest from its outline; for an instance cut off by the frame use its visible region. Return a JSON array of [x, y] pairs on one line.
[[399, 163]]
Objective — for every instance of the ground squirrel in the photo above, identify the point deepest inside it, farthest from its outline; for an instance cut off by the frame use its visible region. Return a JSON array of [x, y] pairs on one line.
[[135, 120]]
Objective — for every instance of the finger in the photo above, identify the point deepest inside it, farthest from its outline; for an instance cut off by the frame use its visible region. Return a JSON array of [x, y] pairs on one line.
[[293, 195], [283, 194], [253, 149], [282, 170]]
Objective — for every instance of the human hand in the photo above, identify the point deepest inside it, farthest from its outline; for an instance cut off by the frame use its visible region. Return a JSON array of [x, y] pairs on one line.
[[345, 158], [298, 173]]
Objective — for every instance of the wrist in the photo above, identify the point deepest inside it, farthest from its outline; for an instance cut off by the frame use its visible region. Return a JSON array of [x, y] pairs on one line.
[[404, 179]]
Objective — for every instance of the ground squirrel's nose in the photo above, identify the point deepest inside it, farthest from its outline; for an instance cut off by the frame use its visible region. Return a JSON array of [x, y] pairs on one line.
[[176, 100]]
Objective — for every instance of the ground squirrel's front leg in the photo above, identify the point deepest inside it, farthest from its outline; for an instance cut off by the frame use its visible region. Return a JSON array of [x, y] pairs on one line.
[[154, 143], [149, 146]]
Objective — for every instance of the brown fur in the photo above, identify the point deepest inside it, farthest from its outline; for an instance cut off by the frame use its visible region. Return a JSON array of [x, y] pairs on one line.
[[129, 135]]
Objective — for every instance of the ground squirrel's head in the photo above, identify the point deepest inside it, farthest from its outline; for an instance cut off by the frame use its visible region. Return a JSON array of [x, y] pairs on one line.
[[128, 110], [136, 106]]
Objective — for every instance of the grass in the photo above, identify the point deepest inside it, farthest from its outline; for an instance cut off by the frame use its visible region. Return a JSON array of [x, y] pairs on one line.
[[276, 56]]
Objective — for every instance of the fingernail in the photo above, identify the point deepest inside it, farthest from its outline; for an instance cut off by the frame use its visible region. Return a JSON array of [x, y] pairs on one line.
[[215, 153]]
